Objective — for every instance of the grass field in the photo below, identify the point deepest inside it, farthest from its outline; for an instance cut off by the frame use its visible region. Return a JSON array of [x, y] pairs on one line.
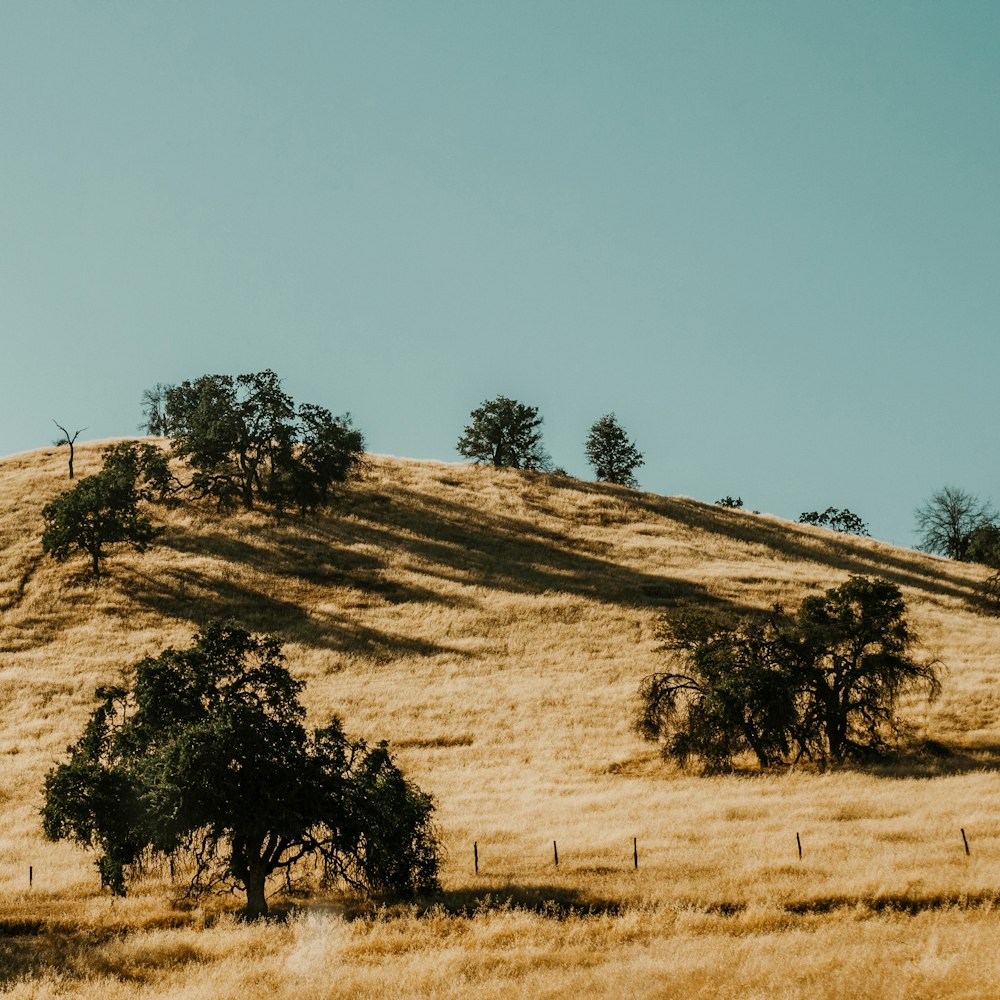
[[495, 626]]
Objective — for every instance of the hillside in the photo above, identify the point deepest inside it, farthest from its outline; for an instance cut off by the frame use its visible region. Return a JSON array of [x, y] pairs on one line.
[[495, 626]]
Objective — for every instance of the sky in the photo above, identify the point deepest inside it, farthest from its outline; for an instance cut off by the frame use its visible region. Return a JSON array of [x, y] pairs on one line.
[[765, 235]]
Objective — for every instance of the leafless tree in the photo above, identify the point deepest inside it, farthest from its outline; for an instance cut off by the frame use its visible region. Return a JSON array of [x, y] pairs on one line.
[[947, 521], [69, 439]]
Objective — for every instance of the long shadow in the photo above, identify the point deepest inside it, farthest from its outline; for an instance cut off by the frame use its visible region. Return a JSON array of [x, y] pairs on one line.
[[364, 544], [438, 539], [795, 543], [933, 759], [189, 596], [555, 901], [462, 544]]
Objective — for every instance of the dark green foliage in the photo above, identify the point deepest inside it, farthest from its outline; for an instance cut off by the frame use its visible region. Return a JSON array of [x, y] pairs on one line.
[[851, 662], [984, 548], [505, 433], [733, 696], [947, 521], [245, 441], [104, 509], [208, 755], [835, 520], [823, 685], [613, 457], [984, 545], [329, 450], [728, 501]]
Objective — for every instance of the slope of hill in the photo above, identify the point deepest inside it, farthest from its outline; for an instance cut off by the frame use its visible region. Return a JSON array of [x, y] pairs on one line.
[[495, 626]]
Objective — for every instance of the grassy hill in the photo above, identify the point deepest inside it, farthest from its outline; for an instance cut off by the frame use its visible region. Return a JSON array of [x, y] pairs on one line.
[[495, 626]]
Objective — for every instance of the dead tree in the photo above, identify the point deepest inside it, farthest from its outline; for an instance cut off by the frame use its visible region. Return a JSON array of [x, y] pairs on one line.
[[69, 439]]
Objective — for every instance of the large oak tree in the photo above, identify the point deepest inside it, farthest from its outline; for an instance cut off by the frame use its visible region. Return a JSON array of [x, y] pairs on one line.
[[206, 755]]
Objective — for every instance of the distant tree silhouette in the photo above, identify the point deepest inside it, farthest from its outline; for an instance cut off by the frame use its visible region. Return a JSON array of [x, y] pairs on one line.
[[154, 411], [728, 501], [613, 457], [505, 433], [836, 520], [947, 522]]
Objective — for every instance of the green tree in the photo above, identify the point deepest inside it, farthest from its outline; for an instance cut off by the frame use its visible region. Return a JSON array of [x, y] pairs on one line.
[[732, 696], [614, 458], [984, 545], [105, 509], [207, 754], [946, 522], [329, 451], [824, 684], [505, 433], [836, 520], [245, 442]]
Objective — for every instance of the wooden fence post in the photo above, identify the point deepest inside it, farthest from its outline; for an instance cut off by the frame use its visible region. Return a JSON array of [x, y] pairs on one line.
[[798, 840], [475, 854], [635, 852], [555, 853], [966, 842]]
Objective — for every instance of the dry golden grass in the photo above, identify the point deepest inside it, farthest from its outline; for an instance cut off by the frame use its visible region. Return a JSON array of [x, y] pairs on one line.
[[495, 626]]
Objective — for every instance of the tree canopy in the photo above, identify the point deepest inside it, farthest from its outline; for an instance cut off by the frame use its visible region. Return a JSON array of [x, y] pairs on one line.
[[836, 520], [106, 509], [823, 685], [613, 457], [246, 441], [206, 755], [505, 433]]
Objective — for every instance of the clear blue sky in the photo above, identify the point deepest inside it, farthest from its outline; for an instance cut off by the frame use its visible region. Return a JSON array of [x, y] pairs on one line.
[[766, 235]]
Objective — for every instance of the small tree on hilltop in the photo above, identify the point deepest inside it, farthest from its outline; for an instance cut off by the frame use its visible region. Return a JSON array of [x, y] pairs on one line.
[[836, 520], [613, 457], [505, 433], [984, 545], [69, 439], [946, 522], [104, 509], [206, 754]]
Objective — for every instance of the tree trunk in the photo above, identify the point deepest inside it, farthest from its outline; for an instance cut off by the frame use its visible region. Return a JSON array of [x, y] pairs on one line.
[[256, 901]]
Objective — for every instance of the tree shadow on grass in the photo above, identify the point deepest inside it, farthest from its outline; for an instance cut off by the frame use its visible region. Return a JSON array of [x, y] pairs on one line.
[[842, 552], [425, 547], [384, 547], [555, 901], [918, 759], [934, 759], [190, 596]]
